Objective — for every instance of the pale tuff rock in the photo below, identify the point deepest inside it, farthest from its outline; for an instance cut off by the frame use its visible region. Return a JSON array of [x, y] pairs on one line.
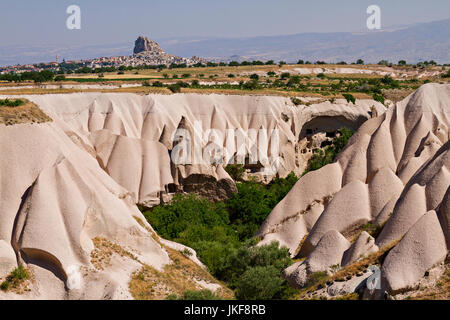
[[393, 171], [69, 187], [362, 247], [57, 202], [144, 127], [328, 253], [422, 248]]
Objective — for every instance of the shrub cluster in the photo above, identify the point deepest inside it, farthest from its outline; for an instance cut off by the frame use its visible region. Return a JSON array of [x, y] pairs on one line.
[[11, 103], [222, 235]]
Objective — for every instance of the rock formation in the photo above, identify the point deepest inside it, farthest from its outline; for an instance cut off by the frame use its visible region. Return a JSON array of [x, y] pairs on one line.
[[69, 187], [143, 44], [394, 174], [147, 51]]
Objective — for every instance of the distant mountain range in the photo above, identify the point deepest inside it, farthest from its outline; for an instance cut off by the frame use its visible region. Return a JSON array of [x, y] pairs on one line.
[[414, 43]]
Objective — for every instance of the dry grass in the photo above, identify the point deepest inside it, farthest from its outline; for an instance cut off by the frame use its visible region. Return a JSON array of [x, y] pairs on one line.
[[138, 90], [151, 284], [439, 291], [26, 113], [396, 95], [177, 278], [103, 252]]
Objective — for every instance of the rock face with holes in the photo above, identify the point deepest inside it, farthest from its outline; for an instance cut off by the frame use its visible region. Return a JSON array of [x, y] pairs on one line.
[[182, 142], [394, 175]]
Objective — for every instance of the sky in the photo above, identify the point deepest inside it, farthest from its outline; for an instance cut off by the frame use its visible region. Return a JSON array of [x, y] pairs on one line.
[[42, 22]]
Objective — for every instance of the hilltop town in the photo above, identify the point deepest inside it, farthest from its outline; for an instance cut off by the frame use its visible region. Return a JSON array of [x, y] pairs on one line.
[[146, 53]]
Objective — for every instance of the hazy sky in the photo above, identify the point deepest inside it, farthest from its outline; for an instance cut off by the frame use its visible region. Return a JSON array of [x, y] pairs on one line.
[[111, 21]]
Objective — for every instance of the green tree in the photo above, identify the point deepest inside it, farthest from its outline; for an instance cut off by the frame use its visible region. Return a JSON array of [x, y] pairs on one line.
[[259, 283]]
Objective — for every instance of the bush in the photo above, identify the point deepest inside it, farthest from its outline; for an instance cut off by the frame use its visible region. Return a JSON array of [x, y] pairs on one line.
[[249, 208], [185, 216], [195, 295], [389, 81], [215, 254], [15, 278], [271, 74], [280, 187], [175, 88], [235, 171], [222, 235], [316, 278], [19, 273], [231, 75], [251, 85], [60, 78], [379, 97], [4, 286], [321, 75], [254, 77], [259, 283], [349, 97], [296, 101], [285, 75], [200, 295], [11, 103]]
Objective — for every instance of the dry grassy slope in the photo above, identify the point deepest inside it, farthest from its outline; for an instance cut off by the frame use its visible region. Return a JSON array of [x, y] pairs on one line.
[[26, 113]]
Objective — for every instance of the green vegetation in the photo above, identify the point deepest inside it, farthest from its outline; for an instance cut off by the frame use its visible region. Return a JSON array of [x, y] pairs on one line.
[[11, 103], [296, 101], [372, 229], [379, 97], [316, 278], [349, 98], [195, 295], [15, 278], [175, 88], [43, 76], [222, 235], [236, 171], [323, 157]]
